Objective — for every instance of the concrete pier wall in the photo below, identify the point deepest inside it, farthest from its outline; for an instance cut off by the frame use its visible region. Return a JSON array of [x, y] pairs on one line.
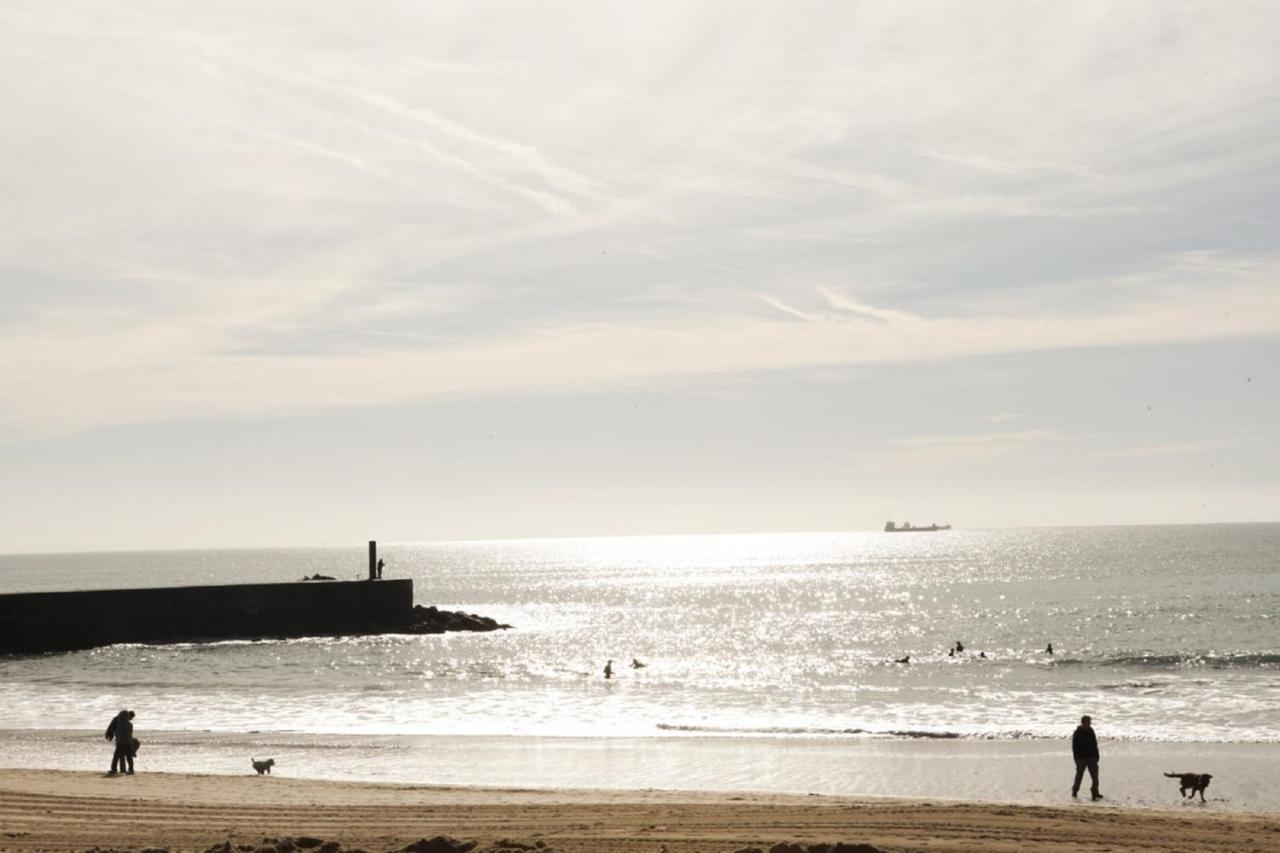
[[63, 621]]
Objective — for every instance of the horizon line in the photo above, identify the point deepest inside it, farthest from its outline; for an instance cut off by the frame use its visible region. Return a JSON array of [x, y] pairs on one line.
[[590, 538]]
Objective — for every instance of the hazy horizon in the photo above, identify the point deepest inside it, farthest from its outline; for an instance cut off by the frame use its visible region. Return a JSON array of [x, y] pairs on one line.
[[298, 274], [387, 547]]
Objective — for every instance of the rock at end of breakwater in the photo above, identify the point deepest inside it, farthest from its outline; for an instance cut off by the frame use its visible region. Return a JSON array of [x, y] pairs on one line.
[[432, 620]]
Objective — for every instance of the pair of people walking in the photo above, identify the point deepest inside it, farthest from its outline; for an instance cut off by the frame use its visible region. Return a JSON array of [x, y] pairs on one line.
[[121, 731]]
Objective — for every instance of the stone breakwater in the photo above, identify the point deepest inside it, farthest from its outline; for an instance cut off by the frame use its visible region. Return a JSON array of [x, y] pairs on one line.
[[429, 620], [67, 621]]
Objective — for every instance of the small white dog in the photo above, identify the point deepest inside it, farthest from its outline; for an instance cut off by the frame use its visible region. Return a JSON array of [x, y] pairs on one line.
[[263, 766]]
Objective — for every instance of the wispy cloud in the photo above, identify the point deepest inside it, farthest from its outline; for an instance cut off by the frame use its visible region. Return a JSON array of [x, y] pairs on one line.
[[1173, 448], [151, 370], [810, 317], [249, 212], [947, 451]]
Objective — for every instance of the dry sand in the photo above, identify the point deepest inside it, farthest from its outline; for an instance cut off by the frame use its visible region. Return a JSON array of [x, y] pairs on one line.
[[70, 810]]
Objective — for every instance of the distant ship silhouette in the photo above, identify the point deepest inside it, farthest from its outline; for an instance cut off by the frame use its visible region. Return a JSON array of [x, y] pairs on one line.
[[892, 527]]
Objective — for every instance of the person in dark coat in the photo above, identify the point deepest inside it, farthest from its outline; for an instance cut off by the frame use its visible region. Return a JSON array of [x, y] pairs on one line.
[[1084, 749], [111, 735], [121, 730]]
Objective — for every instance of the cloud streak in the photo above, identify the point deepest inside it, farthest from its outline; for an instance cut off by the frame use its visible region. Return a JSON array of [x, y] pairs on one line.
[[99, 375], [931, 453], [244, 212]]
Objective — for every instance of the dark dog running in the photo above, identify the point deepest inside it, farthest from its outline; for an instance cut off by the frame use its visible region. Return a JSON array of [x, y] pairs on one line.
[[1189, 784], [263, 766]]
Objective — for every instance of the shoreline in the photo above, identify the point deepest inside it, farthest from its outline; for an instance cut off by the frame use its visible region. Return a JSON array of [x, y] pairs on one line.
[[1026, 772], [78, 810]]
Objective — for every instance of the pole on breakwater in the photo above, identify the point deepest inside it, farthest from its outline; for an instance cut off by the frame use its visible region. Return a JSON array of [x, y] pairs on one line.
[[373, 559]]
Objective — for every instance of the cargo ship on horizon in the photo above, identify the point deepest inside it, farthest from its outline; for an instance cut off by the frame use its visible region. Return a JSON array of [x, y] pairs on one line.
[[892, 527]]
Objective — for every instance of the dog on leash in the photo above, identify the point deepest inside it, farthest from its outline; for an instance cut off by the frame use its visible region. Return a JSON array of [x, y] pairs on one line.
[[263, 766], [1189, 784]]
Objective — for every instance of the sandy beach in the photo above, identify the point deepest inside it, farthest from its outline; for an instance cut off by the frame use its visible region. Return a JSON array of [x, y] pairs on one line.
[[76, 810]]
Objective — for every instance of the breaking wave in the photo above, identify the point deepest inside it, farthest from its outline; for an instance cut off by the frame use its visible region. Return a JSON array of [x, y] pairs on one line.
[[1211, 660], [806, 730]]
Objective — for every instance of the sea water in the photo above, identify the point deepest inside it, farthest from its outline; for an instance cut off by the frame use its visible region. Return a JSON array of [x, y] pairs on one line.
[[1168, 636]]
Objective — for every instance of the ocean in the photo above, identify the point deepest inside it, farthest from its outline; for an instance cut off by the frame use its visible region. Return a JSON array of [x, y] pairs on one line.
[[769, 663]]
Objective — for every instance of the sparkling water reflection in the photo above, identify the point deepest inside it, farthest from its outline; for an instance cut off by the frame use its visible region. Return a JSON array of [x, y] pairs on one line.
[[1164, 633]]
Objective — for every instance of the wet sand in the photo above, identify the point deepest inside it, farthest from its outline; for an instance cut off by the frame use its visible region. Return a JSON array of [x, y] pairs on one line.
[[1027, 772], [77, 810]]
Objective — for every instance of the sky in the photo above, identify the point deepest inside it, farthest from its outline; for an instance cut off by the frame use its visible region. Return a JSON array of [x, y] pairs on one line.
[[320, 272]]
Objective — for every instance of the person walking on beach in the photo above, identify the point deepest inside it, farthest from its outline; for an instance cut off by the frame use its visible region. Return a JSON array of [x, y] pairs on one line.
[[111, 735], [1084, 749], [608, 670], [121, 729]]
